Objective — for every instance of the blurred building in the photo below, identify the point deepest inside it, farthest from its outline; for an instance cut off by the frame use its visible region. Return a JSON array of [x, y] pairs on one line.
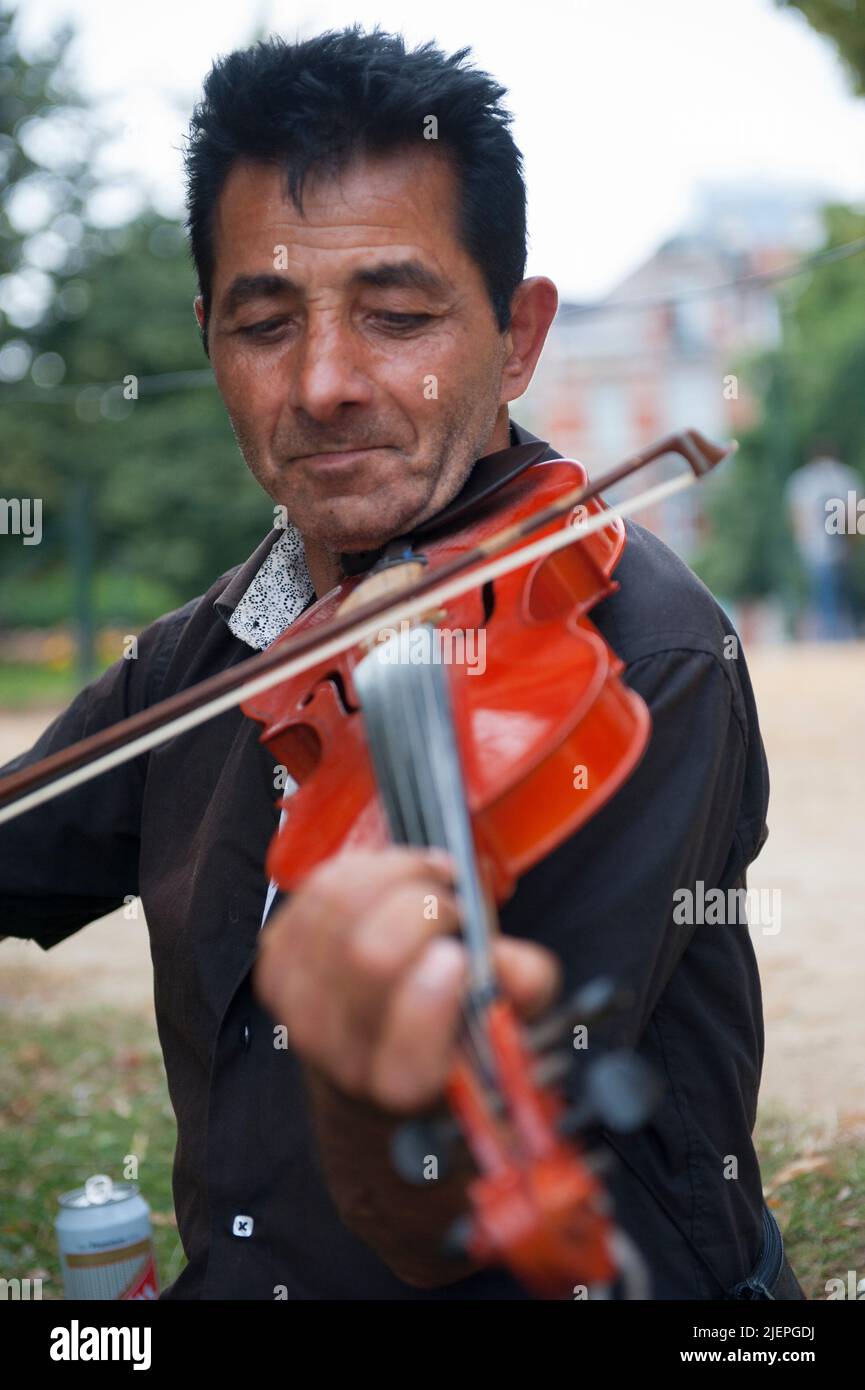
[[658, 353]]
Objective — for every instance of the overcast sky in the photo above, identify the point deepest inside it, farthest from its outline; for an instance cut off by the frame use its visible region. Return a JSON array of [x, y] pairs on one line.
[[622, 107]]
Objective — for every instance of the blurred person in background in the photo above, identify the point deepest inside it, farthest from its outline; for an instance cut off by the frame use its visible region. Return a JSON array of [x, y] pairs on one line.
[[823, 548]]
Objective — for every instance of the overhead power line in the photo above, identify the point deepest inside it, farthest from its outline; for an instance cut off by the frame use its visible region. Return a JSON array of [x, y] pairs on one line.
[[166, 382], [756, 278], [156, 385]]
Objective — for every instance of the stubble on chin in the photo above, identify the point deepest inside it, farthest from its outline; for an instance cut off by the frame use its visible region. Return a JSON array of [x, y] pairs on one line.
[[339, 530]]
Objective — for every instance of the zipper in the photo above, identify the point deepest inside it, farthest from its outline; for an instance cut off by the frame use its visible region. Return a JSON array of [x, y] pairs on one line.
[[761, 1280]]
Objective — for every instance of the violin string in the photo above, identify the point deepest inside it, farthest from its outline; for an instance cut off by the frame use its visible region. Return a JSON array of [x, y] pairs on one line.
[[409, 725], [435, 716], [478, 575]]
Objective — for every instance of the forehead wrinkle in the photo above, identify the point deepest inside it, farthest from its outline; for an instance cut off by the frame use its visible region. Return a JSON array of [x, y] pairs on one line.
[[275, 213], [281, 216], [399, 237]]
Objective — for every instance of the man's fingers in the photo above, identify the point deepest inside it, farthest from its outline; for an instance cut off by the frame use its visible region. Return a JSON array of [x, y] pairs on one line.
[[361, 967], [323, 910], [414, 1053], [416, 1044], [384, 943], [353, 882], [343, 1029], [329, 902], [326, 970], [529, 974]]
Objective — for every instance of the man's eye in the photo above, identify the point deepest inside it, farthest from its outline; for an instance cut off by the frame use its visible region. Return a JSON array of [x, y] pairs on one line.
[[270, 327], [261, 330], [403, 320]]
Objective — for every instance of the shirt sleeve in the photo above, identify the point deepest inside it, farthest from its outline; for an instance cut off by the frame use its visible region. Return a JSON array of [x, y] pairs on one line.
[[694, 809], [74, 858]]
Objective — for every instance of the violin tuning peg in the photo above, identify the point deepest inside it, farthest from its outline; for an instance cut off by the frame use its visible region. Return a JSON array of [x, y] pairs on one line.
[[589, 1004], [420, 1149], [599, 999], [620, 1093]]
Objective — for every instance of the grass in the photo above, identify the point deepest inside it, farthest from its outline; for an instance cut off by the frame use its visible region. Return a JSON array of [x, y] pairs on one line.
[[817, 1194], [78, 1096], [81, 1094]]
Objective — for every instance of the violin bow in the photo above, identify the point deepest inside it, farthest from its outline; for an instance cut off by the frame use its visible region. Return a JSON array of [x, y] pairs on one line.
[[31, 786]]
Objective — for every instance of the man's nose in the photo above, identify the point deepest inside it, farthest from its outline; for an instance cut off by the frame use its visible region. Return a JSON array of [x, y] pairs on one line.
[[328, 369]]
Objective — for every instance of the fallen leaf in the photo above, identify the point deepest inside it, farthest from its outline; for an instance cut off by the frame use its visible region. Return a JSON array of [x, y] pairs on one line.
[[796, 1169]]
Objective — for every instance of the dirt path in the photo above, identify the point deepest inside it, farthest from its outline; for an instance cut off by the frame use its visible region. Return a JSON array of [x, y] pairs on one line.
[[812, 709], [107, 963]]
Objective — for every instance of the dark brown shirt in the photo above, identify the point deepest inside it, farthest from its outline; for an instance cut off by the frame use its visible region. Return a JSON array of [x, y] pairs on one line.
[[187, 827]]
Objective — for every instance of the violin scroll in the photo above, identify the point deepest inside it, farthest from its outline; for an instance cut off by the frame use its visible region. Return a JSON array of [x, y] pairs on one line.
[[538, 1205]]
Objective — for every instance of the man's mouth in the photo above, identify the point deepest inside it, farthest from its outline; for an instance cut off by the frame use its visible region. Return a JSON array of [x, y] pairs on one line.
[[339, 458]]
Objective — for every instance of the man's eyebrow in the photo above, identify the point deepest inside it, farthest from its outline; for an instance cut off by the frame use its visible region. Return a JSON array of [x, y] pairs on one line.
[[404, 275], [246, 287], [391, 275]]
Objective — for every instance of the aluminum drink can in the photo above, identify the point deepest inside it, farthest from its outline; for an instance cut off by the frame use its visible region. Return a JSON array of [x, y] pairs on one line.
[[106, 1242]]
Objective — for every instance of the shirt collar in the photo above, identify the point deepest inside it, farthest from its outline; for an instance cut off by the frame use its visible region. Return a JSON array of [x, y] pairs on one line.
[[273, 587], [259, 607]]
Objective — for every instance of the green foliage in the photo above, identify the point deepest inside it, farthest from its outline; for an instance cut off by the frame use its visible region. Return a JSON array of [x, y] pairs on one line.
[[842, 21], [40, 112], [149, 493], [168, 496], [808, 389]]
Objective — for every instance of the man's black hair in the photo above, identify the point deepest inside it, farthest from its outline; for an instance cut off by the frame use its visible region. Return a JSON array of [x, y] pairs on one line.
[[312, 106]]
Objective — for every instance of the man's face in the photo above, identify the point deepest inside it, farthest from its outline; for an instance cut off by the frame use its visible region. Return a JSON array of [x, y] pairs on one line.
[[355, 347]]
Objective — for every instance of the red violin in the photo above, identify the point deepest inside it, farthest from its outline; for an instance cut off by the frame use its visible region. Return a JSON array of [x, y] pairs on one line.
[[497, 754]]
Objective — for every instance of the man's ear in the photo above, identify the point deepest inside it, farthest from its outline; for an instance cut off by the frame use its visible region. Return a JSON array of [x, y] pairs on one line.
[[533, 308], [198, 306]]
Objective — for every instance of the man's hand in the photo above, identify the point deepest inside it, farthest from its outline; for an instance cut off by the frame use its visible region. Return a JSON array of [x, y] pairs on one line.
[[363, 968]]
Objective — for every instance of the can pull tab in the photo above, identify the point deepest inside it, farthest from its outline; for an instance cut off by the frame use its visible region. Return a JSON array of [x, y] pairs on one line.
[[99, 1189]]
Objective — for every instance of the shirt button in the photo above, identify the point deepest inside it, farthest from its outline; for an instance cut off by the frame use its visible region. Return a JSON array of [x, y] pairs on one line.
[[242, 1226], [245, 1036]]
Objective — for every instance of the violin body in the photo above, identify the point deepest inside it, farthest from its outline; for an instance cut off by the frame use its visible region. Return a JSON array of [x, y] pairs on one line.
[[546, 729]]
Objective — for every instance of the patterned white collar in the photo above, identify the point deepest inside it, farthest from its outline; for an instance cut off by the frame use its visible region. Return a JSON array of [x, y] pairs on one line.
[[277, 595], [282, 588]]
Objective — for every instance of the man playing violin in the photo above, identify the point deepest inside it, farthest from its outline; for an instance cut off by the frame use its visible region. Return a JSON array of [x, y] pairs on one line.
[[357, 221]]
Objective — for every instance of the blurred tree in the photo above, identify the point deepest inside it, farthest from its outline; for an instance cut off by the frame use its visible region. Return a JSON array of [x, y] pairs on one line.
[[810, 388], [172, 503], [45, 155], [843, 21], [109, 412]]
